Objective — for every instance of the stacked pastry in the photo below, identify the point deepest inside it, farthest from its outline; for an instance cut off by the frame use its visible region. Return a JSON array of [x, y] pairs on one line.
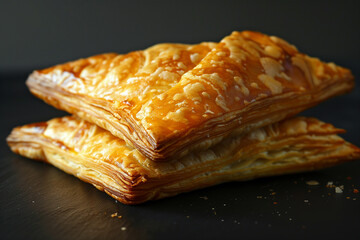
[[174, 117]]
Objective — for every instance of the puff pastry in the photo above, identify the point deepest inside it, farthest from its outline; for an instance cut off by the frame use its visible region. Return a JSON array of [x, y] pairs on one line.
[[173, 98], [96, 156]]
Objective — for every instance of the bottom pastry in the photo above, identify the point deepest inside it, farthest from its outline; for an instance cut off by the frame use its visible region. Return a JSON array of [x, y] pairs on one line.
[[95, 156]]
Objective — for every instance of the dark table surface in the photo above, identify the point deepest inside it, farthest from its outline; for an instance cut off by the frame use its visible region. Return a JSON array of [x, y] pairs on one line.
[[40, 201]]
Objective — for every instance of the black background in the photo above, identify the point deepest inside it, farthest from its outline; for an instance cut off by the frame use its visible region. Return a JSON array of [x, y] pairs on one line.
[[38, 201]]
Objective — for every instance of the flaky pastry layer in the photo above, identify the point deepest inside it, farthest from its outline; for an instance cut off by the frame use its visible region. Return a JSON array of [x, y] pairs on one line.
[[96, 156], [173, 98], [170, 98]]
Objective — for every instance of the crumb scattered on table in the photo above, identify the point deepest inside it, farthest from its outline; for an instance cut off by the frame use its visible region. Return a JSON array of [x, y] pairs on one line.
[[330, 184], [312, 183], [338, 190], [115, 215]]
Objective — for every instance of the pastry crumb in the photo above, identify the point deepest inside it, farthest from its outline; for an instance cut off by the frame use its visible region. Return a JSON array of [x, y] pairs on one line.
[[338, 190], [213, 211], [114, 215], [123, 228], [204, 197], [330, 184], [312, 183]]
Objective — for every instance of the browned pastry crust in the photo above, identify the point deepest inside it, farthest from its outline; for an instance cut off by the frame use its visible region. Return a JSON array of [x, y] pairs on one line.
[[96, 156], [172, 98]]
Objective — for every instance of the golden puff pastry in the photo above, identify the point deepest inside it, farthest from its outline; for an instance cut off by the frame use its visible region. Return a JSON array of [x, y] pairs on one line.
[[96, 156], [170, 99]]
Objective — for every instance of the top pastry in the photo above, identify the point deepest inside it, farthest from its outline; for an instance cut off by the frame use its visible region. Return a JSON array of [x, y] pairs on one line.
[[170, 99]]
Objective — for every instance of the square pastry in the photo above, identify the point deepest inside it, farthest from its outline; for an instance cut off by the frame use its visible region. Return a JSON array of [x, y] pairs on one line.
[[172, 99], [96, 156]]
